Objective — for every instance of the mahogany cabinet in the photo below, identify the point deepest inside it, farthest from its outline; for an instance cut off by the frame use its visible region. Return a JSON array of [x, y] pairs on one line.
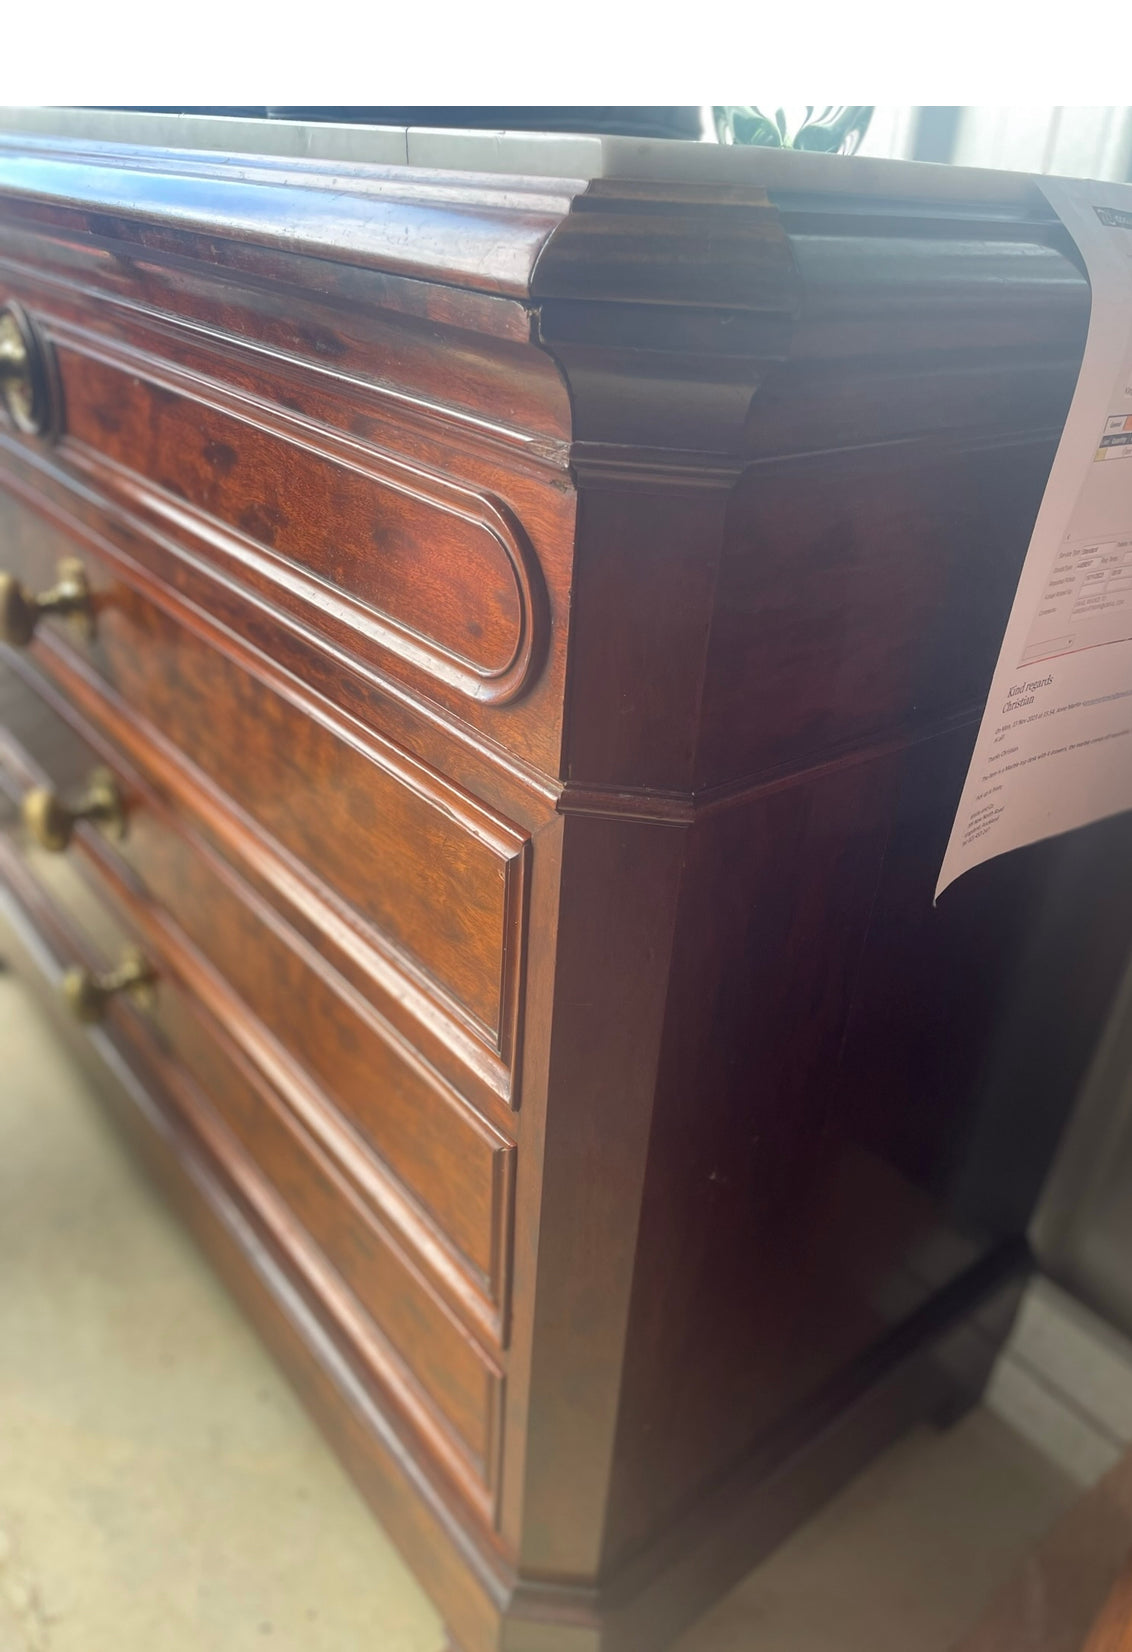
[[496, 629]]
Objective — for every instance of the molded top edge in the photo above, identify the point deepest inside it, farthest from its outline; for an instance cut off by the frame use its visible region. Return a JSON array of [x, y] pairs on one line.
[[534, 154]]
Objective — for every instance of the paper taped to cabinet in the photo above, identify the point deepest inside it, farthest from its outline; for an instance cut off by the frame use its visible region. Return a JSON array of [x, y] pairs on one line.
[[1054, 749]]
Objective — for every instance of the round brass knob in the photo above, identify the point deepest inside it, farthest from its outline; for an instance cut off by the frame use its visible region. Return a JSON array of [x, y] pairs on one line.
[[87, 995], [51, 822], [24, 379], [21, 612]]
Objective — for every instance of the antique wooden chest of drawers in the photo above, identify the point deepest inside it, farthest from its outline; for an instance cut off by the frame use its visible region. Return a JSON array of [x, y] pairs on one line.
[[494, 631]]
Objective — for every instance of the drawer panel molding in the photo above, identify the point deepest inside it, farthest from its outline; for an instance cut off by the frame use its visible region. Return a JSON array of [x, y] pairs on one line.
[[447, 1383], [409, 870], [422, 567], [436, 1169]]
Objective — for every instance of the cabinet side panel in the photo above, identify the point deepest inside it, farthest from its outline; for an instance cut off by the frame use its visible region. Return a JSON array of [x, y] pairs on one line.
[[843, 1068]]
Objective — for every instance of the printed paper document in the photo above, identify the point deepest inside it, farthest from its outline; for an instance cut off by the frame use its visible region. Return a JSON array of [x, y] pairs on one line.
[[1055, 747]]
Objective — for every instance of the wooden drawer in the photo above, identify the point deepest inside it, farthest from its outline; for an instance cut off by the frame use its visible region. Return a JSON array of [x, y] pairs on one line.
[[347, 1248], [424, 569], [437, 1169], [359, 456], [384, 858], [269, 450]]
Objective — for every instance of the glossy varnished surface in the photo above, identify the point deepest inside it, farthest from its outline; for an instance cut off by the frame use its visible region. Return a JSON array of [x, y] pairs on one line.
[[449, 1157], [387, 840], [433, 1335], [541, 624], [437, 574]]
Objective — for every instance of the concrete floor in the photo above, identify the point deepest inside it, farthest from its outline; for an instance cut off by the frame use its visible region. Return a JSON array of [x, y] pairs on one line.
[[161, 1490]]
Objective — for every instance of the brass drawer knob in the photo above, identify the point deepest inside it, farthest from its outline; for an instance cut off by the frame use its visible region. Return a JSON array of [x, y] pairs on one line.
[[21, 612], [87, 995], [51, 822], [24, 379]]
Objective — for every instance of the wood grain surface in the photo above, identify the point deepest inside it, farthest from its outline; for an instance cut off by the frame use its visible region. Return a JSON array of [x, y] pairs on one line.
[[540, 629]]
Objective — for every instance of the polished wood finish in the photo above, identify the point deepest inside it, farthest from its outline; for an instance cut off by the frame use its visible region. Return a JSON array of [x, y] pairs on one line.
[[385, 1098], [426, 870], [539, 629], [442, 577]]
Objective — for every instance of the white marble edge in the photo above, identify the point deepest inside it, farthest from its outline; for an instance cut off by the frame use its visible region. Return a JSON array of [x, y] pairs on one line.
[[529, 154], [225, 134]]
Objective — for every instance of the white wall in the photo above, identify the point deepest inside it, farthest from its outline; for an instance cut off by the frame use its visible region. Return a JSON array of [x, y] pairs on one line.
[[1076, 141], [890, 132]]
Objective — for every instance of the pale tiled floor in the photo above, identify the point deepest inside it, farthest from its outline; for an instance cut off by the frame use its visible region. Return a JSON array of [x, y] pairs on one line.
[[161, 1490]]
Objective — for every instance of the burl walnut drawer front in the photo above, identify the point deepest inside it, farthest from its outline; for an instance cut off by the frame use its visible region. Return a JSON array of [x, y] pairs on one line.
[[365, 518], [294, 1164], [428, 883], [537, 624], [439, 575], [373, 1102]]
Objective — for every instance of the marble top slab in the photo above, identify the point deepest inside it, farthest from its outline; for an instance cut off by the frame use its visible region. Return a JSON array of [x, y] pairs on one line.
[[531, 154]]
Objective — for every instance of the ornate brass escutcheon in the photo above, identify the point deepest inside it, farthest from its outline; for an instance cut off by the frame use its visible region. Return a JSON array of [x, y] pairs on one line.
[[24, 378]]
